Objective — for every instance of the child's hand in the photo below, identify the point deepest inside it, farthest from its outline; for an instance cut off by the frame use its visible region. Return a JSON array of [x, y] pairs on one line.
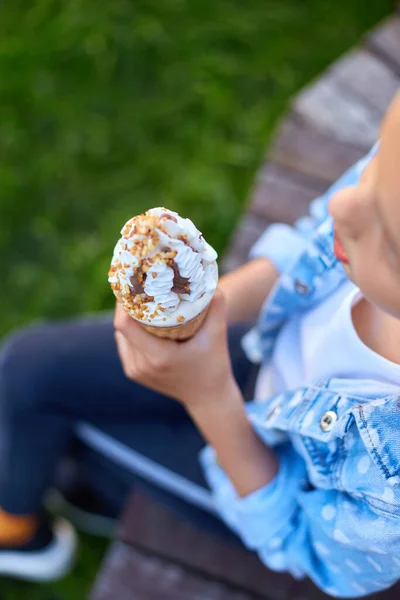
[[193, 372]]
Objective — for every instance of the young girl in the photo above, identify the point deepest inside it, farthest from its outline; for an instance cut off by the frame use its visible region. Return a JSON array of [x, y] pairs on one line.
[[307, 475]]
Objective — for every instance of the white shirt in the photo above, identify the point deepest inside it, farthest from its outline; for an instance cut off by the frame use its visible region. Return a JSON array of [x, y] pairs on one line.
[[320, 344]]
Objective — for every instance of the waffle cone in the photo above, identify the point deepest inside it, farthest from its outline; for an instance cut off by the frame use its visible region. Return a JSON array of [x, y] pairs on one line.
[[179, 332]]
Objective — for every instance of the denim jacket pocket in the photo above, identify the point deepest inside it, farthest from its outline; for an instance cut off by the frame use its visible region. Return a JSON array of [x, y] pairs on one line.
[[318, 434], [316, 420], [378, 424]]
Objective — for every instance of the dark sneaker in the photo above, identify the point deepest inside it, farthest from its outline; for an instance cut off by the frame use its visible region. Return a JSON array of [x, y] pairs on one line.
[[47, 557], [83, 507]]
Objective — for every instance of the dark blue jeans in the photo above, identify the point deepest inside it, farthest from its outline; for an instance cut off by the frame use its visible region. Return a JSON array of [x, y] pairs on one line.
[[54, 376]]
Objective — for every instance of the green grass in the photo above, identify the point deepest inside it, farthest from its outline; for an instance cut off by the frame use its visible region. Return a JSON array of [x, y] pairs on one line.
[[108, 108], [75, 587]]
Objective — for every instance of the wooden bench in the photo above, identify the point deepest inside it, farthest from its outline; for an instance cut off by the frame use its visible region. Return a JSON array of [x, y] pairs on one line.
[[331, 124]]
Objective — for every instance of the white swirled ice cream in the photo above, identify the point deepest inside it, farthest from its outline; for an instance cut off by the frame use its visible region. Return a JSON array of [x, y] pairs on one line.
[[164, 273]]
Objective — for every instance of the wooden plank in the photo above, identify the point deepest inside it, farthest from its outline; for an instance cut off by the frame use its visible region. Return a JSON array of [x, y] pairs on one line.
[[311, 152], [283, 195], [248, 231], [329, 107], [368, 76], [128, 574], [157, 530], [385, 42], [279, 195]]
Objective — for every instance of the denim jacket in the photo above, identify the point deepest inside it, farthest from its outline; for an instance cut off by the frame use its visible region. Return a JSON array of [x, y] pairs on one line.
[[333, 511]]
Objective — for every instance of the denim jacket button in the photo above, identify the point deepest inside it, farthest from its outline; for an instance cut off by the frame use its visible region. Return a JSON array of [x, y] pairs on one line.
[[328, 420], [301, 287]]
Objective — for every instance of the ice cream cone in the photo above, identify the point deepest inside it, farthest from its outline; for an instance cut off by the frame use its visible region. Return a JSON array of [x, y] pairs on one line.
[[164, 274], [179, 332]]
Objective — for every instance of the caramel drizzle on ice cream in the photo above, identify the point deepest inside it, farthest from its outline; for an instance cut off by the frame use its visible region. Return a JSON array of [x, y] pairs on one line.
[[137, 281], [180, 284], [169, 217]]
